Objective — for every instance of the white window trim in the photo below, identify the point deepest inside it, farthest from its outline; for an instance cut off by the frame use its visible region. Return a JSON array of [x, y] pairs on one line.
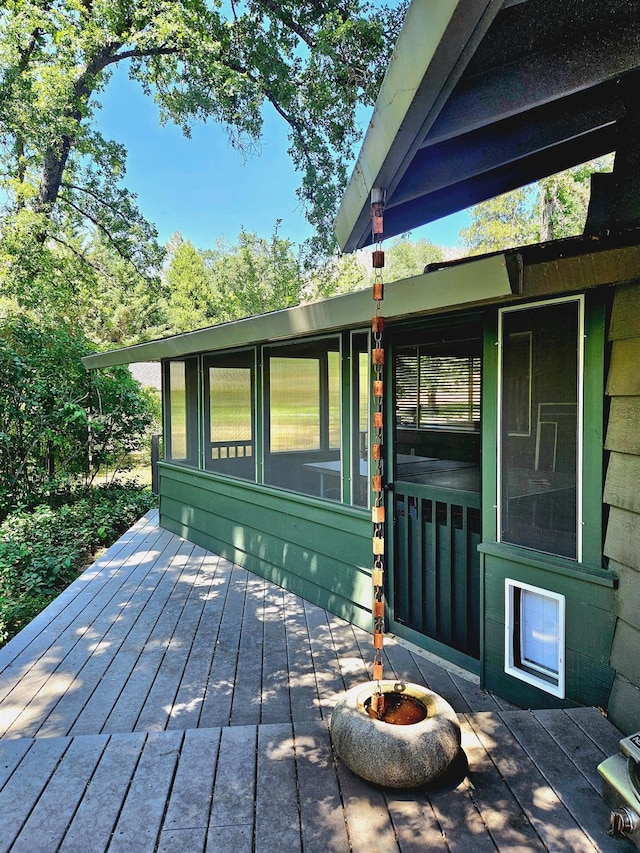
[[512, 665], [352, 358], [580, 412]]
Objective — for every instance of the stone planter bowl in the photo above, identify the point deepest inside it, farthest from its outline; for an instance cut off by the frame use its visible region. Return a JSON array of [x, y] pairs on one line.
[[395, 756]]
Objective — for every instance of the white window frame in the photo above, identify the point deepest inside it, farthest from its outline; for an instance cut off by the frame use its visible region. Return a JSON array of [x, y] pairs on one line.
[[580, 413], [353, 354], [554, 682]]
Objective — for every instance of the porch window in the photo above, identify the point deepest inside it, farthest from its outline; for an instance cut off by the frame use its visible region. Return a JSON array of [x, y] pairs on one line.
[[302, 418], [229, 414], [540, 426], [181, 389]]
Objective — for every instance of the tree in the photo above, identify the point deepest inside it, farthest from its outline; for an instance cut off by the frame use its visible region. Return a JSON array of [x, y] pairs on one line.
[[254, 276], [406, 258], [45, 397], [111, 302], [313, 62], [551, 209], [501, 222], [563, 199], [188, 287], [338, 274], [104, 296]]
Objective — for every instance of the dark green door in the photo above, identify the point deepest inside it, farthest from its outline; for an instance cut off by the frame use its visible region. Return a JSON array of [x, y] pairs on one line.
[[434, 493], [436, 586]]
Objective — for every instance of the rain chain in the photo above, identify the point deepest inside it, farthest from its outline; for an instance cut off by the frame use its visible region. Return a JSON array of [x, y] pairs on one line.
[[377, 451]]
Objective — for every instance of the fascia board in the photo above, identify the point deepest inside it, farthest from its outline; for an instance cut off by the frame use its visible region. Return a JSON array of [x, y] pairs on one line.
[[437, 40], [439, 290], [424, 26]]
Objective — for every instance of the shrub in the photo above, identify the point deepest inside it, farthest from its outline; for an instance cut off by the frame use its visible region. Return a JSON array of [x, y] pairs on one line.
[[46, 396], [44, 549]]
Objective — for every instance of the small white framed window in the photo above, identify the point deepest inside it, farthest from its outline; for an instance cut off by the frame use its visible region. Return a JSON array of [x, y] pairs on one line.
[[535, 636]]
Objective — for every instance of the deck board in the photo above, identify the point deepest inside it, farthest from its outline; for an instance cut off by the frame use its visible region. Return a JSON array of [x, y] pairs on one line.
[[572, 787], [276, 686], [507, 823], [323, 824], [26, 785], [277, 818], [248, 695], [367, 817], [218, 697], [187, 706], [569, 736], [303, 686], [551, 819], [97, 814], [58, 802], [328, 674], [232, 814], [189, 804], [171, 701], [140, 821]]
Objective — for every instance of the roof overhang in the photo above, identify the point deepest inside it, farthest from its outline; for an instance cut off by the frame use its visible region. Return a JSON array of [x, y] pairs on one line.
[[483, 96], [476, 282]]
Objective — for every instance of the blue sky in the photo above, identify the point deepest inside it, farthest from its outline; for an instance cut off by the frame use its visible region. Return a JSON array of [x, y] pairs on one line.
[[203, 188]]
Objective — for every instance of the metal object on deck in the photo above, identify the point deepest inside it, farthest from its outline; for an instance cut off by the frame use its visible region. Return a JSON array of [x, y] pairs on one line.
[[621, 788]]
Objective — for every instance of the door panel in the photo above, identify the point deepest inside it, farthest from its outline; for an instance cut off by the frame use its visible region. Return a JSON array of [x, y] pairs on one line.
[[435, 584], [437, 565]]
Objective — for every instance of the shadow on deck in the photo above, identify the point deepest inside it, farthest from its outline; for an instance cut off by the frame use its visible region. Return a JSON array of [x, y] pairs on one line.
[[171, 701]]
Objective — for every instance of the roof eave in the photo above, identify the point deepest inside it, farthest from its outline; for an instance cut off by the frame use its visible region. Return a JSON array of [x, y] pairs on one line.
[[436, 41], [477, 281]]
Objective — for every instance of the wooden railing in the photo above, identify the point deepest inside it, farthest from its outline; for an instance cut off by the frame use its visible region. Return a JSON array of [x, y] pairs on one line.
[[231, 449]]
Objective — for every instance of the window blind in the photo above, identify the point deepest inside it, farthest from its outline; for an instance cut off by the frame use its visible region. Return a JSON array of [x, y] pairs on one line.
[[437, 390]]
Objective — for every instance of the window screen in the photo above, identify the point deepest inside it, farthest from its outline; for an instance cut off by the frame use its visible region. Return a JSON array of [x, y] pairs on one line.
[[178, 409], [181, 391], [229, 414], [539, 433], [360, 386], [295, 403], [302, 418]]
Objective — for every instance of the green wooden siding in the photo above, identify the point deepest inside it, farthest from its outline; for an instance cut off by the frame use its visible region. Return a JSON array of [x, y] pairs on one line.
[[588, 588], [315, 549], [622, 496], [589, 628]]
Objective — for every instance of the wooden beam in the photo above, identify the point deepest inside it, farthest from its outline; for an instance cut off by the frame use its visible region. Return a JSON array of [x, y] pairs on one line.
[[509, 141], [458, 196], [437, 41], [536, 80]]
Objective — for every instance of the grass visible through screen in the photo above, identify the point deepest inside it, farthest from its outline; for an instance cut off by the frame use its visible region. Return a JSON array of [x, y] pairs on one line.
[[295, 404], [230, 405]]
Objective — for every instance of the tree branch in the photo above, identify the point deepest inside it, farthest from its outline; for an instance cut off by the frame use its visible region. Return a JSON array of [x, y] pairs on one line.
[[113, 208], [275, 9], [136, 53], [295, 125], [80, 255], [105, 231]]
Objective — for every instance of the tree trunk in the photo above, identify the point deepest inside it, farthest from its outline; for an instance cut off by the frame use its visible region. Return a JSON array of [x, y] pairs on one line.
[[57, 156], [546, 216]]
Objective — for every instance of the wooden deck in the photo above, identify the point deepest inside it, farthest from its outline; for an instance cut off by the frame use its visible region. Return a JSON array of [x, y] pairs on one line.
[[171, 701]]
